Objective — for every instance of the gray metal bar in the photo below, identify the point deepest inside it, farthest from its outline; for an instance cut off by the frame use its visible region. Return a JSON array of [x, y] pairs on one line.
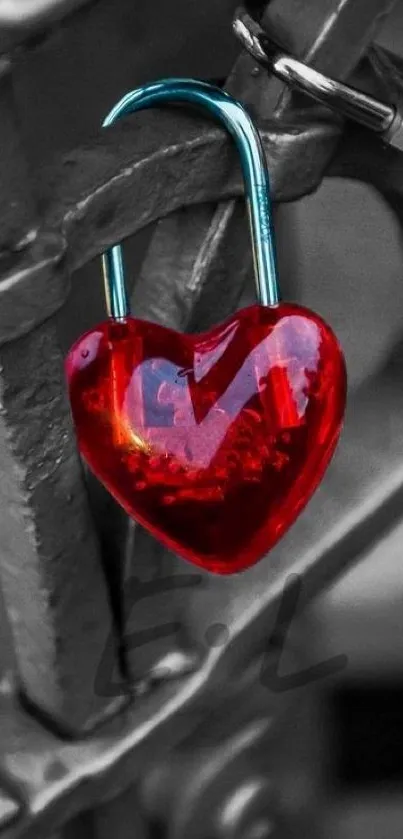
[[50, 571]]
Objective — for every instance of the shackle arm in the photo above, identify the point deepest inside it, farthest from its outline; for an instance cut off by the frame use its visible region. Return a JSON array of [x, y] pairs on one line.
[[238, 123]]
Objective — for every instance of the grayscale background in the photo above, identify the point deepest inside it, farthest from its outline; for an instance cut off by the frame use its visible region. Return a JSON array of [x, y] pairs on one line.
[[328, 759]]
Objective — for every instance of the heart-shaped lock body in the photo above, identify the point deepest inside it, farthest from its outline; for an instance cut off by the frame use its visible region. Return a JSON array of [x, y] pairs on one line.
[[214, 442]]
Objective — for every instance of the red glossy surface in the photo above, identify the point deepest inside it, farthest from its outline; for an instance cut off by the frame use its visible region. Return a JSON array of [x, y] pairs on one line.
[[214, 442]]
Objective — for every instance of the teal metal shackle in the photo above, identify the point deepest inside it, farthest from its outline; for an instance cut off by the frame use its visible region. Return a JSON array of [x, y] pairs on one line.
[[238, 123]]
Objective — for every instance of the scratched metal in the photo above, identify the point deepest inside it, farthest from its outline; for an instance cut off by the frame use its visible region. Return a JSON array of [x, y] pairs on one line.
[[54, 590]]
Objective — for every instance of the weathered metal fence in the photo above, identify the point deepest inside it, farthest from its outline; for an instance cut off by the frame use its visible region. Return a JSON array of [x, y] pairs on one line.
[[140, 701]]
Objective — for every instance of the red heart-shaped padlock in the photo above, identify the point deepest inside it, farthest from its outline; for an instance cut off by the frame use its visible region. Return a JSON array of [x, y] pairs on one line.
[[214, 442]]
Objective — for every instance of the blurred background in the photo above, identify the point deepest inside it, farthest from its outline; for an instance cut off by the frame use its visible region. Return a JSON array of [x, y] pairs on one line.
[[341, 244]]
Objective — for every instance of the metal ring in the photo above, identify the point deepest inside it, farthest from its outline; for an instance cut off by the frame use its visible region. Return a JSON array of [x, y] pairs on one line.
[[346, 100]]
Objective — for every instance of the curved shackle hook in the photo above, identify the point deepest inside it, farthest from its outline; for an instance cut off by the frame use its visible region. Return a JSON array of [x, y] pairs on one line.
[[255, 174]]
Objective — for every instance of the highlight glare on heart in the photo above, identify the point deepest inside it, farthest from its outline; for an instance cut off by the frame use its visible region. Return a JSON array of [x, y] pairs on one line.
[[214, 442]]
